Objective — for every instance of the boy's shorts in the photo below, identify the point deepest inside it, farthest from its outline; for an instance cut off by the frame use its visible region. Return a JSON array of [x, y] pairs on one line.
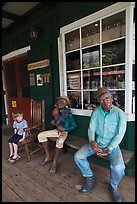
[[15, 138]]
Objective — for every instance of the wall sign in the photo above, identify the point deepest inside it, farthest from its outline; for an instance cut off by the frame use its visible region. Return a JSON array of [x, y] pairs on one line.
[[39, 80], [46, 77], [14, 104], [32, 79], [39, 64]]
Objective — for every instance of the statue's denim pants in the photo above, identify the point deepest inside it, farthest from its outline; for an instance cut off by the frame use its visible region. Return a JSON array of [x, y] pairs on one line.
[[117, 166]]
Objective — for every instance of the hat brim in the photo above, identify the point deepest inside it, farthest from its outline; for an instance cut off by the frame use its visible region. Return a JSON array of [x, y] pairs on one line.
[[100, 91], [64, 98]]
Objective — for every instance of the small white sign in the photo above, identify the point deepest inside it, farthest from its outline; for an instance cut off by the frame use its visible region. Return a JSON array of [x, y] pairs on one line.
[[39, 80]]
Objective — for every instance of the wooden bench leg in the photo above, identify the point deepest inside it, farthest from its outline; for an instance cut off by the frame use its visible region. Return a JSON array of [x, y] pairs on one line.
[[27, 152]]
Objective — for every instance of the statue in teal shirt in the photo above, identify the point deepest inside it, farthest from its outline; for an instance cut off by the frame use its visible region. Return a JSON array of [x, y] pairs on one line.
[[63, 122]]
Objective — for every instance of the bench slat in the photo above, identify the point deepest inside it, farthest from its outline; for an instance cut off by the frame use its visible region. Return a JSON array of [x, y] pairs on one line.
[[75, 142]]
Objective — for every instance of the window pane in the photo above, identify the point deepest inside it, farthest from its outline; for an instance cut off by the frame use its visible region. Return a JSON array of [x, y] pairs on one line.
[[73, 61], [75, 99], [113, 27], [113, 53], [90, 57], [91, 79], [118, 98], [72, 40], [114, 77], [74, 81], [90, 101], [91, 34]]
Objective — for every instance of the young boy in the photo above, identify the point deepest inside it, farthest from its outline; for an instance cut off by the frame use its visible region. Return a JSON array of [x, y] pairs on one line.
[[19, 135]]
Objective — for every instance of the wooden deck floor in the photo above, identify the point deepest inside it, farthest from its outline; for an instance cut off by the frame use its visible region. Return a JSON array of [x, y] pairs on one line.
[[30, 182]]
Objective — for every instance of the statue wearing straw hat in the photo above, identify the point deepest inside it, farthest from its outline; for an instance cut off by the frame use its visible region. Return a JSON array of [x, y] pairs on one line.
[[64, 122]]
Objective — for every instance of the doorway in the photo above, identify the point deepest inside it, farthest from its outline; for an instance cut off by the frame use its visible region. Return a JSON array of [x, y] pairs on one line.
[[17, 86]]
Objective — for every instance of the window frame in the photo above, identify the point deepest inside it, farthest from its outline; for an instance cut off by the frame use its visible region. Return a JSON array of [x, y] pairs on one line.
[[104, 13]]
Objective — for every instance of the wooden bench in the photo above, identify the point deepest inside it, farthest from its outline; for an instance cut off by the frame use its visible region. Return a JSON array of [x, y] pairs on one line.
[[76, 142]]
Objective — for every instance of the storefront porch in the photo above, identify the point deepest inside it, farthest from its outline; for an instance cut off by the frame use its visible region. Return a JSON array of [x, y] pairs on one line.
[[31, 182]]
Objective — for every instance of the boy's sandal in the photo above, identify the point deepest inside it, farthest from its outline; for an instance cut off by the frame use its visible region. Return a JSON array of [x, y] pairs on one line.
[[53, 170], [14, 160], [10, 157]]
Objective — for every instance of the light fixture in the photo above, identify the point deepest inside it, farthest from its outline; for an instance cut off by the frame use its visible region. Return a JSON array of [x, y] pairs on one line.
[[34, 32]]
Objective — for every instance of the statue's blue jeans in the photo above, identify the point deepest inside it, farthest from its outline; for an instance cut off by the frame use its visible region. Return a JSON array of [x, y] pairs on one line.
[[117, 166]]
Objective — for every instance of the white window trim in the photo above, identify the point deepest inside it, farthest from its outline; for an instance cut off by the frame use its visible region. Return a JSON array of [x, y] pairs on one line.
[[60, 57], [128, 63], [130, 117], [99, 14], [115, 8]]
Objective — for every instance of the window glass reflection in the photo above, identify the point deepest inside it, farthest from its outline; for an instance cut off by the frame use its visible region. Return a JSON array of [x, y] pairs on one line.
[[72, 40], [118, 98], [75, 99], [91, 79], [91, 34], [90, 57], [73, 61], [113, 27], [113, 53], [74, 81], [114, 77], [90, 101]]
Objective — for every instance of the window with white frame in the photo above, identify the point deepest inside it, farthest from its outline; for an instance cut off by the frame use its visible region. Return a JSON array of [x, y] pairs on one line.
[[94, 55]]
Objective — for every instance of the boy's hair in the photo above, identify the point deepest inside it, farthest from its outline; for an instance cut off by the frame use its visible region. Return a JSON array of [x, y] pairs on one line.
[[16, 113]]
